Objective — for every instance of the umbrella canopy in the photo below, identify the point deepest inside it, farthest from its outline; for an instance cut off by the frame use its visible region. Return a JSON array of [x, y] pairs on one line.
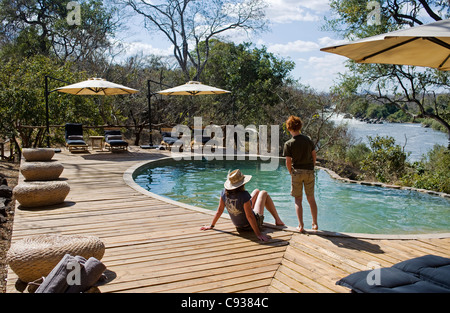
[[96, 86], [193, 88], [426, 45]]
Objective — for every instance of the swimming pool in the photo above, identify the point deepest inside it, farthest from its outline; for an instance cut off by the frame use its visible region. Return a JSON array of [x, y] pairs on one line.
[[342, 207]]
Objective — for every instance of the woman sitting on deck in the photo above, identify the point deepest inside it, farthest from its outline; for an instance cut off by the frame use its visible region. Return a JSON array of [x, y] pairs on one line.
[[246, 211]]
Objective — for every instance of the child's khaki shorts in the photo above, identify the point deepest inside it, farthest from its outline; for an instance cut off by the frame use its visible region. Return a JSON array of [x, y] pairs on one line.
[[300, 178]]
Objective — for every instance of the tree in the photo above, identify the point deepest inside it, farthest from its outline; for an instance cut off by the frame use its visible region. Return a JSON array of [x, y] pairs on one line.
[[416, 91], [22, 99], [32, 27], [254, 76], [386, 160], [187, 23]]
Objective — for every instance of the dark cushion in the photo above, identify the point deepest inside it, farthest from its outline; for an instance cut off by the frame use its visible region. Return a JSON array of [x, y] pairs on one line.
[[75, 137], [424, 274], [76, 142], [117, 143], [113, 137], [73, 129], [170, 140], [431, 268], [113, 132]]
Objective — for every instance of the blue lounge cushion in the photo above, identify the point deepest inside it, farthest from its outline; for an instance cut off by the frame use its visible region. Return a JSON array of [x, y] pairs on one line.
[[116, 143], [113, 137], [425, 274], [113, 132], [75, 137], [170, 140], [76, 143], [432, 268]]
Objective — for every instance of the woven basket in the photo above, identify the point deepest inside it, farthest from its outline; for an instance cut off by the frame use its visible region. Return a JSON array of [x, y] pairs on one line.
[[38, 154], [41, 193], [35, 256]]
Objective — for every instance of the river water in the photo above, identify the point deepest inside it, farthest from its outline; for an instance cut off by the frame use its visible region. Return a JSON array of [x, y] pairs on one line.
[[419, 140]]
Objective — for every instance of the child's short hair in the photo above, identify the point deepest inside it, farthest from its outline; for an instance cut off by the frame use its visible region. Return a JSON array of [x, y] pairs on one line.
[[294, 123]]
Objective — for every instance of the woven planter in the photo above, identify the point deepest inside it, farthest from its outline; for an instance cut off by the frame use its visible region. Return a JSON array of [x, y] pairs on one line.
[[38, 154], [34, 257], [40, 194], [41, 170]]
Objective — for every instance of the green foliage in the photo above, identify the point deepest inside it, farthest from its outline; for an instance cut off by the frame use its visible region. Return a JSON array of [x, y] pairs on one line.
[[412, 89], [385, 161], [40, 27], [432, 172], [22, 100], [356, 154], [254, 76]]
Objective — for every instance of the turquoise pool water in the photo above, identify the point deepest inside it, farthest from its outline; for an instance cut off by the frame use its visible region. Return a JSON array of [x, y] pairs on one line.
[[342, 207]]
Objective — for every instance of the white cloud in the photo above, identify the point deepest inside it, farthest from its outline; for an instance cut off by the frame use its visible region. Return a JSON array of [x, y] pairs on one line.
[[133, 48], [293, 47], [327, 41], [321, 72], [286, 11]]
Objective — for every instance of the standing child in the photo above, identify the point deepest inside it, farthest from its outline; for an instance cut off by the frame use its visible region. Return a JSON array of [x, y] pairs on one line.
[[300, 156]]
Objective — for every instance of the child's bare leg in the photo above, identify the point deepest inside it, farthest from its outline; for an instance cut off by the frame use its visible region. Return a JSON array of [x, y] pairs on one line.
[[299, 211], [313, 206]]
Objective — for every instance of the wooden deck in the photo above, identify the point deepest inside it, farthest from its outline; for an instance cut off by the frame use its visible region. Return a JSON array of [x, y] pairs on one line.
[[156, 246]]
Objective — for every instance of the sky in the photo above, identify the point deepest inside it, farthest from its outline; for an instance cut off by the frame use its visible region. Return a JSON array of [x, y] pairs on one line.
[[294, 34]]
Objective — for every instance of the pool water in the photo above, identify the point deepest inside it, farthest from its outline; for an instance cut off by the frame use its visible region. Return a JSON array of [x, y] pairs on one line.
[[342, 207]]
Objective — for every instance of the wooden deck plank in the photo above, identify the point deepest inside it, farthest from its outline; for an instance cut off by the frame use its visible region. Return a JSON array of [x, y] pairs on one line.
[[156, 246]]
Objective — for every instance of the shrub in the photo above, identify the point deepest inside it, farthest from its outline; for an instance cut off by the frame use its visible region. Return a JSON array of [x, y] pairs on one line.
[[385, 161], [356, 154], [432, 172]]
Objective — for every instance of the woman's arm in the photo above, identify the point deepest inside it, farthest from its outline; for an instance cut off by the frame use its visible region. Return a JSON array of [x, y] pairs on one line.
[[219, 212], [252, 220]]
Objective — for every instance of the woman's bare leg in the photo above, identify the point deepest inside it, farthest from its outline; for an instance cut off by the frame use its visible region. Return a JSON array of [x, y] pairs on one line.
[[263, 200]]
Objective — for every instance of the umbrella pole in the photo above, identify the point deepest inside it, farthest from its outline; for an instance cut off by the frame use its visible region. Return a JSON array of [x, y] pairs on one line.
[[149, 96], [46, 112]]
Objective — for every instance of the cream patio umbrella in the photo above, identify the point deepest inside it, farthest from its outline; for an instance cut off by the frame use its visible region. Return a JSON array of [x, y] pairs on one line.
[[192, 88], [426, 45], [96, 86]]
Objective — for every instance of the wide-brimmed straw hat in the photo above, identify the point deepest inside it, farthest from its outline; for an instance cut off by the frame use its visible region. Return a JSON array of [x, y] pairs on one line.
[[236, 179]]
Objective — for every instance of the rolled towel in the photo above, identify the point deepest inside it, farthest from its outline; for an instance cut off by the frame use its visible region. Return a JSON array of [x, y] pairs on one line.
[[90, 274], [56, 281]]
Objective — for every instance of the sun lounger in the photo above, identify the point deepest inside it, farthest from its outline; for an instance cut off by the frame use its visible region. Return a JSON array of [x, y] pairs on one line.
[[114, 140], [167, 139], [74, 137]]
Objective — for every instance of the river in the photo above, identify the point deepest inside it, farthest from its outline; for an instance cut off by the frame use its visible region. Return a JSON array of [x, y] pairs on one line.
[[419, 140]]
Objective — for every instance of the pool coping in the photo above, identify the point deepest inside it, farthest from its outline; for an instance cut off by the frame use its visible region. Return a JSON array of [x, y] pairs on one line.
[[128, 179]]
